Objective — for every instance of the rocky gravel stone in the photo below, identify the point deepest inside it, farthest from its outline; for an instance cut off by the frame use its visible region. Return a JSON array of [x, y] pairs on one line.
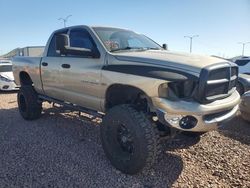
[[62, 149]]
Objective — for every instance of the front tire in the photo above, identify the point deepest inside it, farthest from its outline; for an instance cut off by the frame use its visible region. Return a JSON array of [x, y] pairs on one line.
[[28, 105], [129, 140]]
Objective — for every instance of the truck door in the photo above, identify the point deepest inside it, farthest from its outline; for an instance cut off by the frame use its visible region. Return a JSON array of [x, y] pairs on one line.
[[81, 75], [50, 70]]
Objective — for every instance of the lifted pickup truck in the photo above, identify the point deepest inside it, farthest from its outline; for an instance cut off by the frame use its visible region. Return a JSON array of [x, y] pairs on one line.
[[142, 90]]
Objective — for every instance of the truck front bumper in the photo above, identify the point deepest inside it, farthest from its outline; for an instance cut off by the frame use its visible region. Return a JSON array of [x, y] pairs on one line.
[[195, 117]]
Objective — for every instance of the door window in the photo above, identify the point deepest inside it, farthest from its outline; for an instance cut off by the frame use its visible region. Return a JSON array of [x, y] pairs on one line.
[[80, 38]]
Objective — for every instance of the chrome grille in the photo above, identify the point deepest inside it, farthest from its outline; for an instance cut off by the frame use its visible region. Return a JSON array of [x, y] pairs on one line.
[[217, 82]]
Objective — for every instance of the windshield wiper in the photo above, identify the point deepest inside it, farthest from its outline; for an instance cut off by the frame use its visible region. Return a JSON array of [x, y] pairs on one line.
[[127, 48], [132, 48], [150, 48]]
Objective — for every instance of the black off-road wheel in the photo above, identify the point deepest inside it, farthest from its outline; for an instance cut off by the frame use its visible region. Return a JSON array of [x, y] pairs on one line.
[[129, 140], [29, 106]]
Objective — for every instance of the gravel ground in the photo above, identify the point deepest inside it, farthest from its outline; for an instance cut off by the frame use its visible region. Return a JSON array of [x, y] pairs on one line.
[[62, 149]]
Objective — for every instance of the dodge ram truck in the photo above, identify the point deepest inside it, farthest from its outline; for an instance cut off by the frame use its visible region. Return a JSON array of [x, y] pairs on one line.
[[141, 91]]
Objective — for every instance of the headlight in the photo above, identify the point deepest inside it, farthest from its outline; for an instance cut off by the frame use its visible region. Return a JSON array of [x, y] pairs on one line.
[[177, 90], [5, 79]]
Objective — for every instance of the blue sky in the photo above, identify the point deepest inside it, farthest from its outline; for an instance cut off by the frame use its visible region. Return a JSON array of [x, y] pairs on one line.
[[220, 24]]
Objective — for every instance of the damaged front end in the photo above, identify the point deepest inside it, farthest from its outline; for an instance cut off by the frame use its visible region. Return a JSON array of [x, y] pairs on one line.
[[199, 105]]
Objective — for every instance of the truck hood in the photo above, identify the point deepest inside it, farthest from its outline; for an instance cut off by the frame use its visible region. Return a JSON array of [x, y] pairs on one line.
[[8, 75], [179, 61]]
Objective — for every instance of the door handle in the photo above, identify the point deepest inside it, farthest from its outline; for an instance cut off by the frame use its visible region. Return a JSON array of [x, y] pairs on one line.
[[44, 64], [66, 66]]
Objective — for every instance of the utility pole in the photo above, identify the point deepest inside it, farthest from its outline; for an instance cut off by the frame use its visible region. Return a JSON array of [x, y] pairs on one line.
[[191, 41], [243, 46], [65, 20]]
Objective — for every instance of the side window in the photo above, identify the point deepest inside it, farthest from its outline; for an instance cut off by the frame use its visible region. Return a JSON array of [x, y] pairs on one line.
[[52, 46], [80, 38]]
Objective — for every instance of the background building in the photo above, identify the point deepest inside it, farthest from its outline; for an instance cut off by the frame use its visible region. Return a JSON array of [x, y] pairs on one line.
[[32, 51]]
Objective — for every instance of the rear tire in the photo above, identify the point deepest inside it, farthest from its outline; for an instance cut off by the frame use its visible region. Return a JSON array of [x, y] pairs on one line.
[[129, 140], [28, 105]]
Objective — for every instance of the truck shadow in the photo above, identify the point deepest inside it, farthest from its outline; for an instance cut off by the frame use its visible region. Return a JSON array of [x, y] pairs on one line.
[[181, 141], [237, 129], [73, 141]]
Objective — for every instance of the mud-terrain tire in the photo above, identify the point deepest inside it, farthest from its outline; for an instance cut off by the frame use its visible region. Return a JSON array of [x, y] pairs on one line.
[[29, 106], [129, 140]]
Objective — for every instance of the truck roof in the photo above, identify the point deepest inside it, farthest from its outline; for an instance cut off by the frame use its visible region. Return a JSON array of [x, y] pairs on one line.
[[90, 27]]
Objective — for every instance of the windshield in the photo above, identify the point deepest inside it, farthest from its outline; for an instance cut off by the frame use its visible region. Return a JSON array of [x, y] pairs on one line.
[[5, 68], [119, 39]]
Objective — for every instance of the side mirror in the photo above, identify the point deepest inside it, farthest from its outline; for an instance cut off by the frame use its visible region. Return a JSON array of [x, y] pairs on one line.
[[62, 42], [165, 46], [63, 45]]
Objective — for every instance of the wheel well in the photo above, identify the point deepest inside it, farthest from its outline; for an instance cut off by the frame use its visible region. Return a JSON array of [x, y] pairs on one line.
[[25, 79], [124, 94]]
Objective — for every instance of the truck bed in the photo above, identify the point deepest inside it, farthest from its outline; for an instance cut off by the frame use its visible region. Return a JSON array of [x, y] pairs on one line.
[[30, 65]]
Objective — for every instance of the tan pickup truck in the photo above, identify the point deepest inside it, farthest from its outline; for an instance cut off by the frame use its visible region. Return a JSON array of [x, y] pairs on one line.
[[141, 90]]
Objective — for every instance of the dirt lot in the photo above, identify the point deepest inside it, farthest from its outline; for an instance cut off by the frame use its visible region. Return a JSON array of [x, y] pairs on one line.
[[62, 149]]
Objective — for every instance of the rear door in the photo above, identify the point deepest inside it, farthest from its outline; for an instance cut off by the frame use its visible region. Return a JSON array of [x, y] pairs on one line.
[[51, 70], [81, 75]]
